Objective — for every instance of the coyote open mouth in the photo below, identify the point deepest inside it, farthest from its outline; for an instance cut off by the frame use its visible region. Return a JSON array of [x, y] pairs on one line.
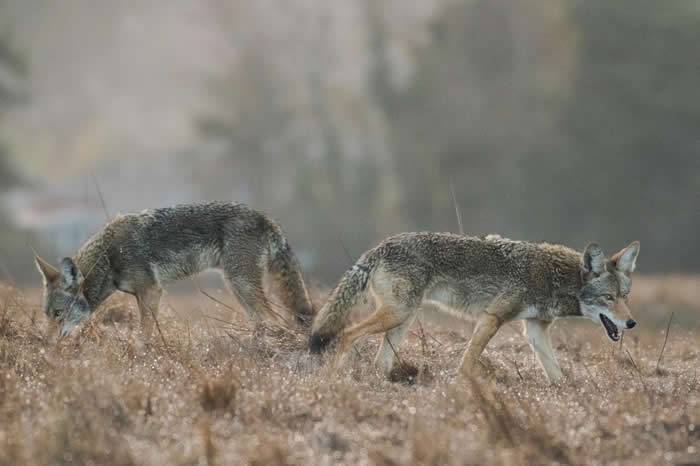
[[610, 327]]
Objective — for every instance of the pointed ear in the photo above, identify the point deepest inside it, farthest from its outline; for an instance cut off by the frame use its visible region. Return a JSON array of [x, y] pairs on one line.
[[593, 261], [48, 272], [70, 274], [626, 260]]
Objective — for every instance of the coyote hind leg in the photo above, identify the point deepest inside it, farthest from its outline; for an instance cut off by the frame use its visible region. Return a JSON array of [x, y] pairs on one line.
[[244, 277], [246, 284], [384, 319], [390, 345], [250, 294]]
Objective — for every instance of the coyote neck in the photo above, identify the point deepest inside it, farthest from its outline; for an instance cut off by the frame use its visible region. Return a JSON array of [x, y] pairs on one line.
[[565, 278], [93, 262]]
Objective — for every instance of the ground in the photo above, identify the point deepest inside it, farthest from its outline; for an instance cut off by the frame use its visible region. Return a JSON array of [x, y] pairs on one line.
[[208, 391]]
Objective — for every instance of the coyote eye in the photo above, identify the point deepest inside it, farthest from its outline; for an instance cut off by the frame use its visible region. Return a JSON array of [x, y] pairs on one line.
[[608, 297]]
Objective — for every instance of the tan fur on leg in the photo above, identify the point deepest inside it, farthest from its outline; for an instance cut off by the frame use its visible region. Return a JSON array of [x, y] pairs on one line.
[[537, 334], [382, 320], [486, 327], [390, 345]]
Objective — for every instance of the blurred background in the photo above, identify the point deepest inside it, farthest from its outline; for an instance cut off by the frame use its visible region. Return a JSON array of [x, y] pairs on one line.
[[559, 120]]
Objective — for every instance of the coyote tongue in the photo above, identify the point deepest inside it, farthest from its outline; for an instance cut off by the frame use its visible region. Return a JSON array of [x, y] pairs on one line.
[[610, 327]]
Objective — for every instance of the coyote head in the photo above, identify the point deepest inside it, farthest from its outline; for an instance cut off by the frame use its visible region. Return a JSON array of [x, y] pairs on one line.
[[606, 285], [64, 300]]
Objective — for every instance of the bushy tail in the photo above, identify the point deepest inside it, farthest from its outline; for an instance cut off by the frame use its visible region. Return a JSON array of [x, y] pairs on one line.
[[284, 266], [333, 315]]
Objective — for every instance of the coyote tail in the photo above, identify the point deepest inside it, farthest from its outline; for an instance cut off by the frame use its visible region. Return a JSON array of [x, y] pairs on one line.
[[333, 315], [284, 266]]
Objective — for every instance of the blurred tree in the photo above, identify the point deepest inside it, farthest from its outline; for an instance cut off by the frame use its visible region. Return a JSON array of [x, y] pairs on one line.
[[555, 120], [285, 134], [13, 70], [249, 122], [488, 87], [629, 167]]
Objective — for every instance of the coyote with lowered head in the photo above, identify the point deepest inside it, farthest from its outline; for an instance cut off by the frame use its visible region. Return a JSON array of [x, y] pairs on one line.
[[139, 253], [492, 279]]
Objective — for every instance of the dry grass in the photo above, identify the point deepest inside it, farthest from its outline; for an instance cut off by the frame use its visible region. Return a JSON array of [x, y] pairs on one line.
[[213, 392]]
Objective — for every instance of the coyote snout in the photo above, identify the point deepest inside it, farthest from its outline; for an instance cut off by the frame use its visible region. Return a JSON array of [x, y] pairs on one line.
[[606, 288], [622, 318], [64, 300]]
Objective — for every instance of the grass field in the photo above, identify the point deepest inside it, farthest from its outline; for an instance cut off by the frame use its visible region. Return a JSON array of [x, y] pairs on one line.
[[208, 391]]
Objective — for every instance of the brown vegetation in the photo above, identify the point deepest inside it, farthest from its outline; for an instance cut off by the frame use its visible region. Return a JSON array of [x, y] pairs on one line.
[[214, 392]]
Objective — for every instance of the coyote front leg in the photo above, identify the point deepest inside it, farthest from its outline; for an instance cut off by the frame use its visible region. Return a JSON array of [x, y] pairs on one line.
[[486, 327], [149, 301], [537, 334]]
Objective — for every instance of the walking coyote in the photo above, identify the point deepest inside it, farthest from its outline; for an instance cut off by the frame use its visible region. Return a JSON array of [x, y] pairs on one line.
[[491, 279], [139, 253]]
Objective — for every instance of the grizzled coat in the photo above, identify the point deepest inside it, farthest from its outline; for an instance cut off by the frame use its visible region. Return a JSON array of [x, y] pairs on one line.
[[491, 279], [140, 253]]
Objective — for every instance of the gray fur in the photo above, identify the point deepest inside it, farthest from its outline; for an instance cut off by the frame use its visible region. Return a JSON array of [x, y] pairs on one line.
[[138, 253], [470, 276]]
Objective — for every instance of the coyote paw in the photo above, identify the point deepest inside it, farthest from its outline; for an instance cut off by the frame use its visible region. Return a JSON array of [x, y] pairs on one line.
[[556, 378], [140, 345], [476, 369]]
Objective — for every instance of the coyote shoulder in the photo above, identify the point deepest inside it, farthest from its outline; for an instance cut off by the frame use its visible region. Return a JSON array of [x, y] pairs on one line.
[[492, 279], [139, 253]]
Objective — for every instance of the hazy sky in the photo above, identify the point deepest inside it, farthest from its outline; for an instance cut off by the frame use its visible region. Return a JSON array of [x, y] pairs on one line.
[[110, 79], [124, 79]]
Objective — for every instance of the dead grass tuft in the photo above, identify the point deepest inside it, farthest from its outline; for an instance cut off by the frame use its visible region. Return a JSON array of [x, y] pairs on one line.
[[269, 451], [517, 431], [210, 450], [218, 394], [214, 391], [430, 447]]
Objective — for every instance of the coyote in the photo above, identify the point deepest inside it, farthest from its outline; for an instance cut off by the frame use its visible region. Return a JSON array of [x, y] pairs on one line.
[[139, 253], [492, 279]]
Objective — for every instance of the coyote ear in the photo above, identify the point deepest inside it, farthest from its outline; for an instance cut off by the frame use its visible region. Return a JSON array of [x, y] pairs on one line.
[[593, 261], [70, 274], [48, 272], [626, 260]]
